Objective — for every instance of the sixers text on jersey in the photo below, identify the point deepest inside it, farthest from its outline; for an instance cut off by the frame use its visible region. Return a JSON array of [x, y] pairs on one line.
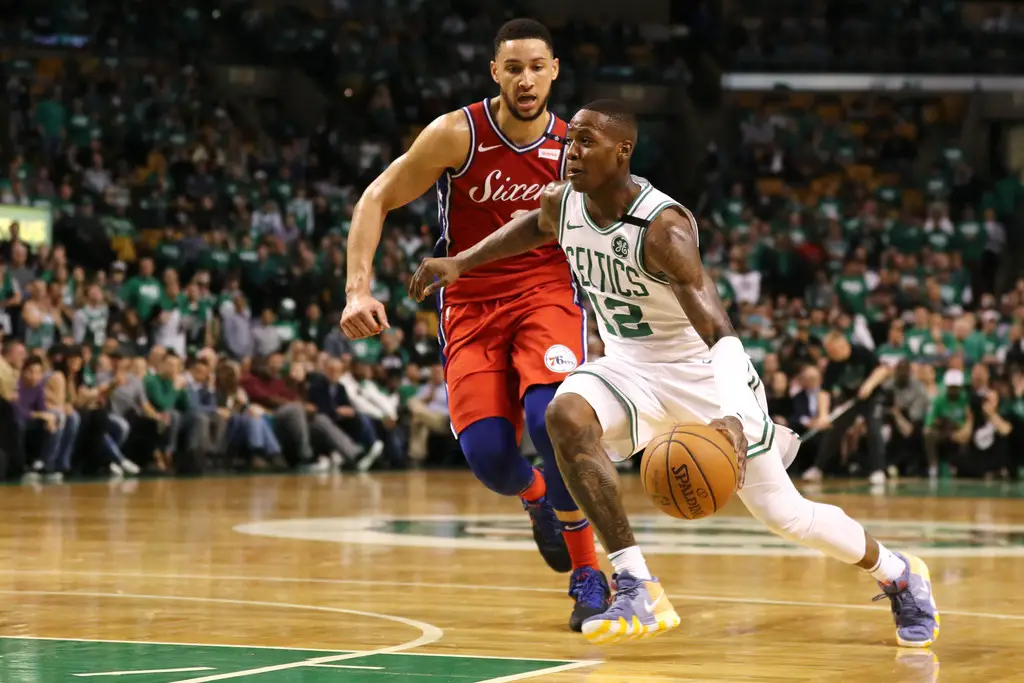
[[498, 182]]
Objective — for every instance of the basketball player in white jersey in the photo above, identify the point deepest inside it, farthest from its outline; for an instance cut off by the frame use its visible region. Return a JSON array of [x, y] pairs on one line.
[[671, 356]]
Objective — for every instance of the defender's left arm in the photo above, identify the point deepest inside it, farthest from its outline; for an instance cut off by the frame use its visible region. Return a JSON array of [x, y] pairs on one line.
[[670, 247]]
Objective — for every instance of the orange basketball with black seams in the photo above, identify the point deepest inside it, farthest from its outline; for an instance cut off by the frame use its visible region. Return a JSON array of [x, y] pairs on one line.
[[690, 471]]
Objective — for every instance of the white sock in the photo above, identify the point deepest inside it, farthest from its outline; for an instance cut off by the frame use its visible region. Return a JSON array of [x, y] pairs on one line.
[[889, 568], [631, 560]]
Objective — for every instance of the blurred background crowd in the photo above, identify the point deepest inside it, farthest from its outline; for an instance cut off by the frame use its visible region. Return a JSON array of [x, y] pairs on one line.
[[177, 183]]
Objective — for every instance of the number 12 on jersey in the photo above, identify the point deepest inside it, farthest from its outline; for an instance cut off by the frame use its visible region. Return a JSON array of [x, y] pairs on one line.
[[621, 318]]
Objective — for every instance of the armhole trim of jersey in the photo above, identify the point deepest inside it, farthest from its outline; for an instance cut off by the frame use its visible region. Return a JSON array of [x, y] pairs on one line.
[[642, 234], [561, 211], [472, 145]]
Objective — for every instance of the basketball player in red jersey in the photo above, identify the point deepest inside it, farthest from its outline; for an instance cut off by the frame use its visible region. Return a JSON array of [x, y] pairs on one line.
[[509, 332]]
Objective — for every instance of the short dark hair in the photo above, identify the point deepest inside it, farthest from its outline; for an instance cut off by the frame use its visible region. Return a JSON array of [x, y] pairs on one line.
[[521, 29], [615, 109], [31, 361], [622, 115]]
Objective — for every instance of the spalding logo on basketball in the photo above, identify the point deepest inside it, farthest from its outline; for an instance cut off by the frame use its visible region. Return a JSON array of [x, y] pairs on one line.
[[559, 358]]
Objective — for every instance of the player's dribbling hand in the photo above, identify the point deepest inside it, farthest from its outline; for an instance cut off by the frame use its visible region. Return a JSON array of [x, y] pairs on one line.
[[732, 429], [363, 317], [432, 275]]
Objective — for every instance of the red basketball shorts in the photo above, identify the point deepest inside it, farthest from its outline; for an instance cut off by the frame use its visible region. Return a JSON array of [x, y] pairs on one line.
[[497, 349]]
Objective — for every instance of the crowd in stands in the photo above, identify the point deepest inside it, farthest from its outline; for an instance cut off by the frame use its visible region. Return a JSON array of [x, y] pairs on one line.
[[184, 315], [876, 36], [866, 259]]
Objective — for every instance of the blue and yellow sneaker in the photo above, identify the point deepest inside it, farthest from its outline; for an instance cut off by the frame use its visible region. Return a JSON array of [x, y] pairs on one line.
[[588, 587], [640, 609], [913, 605], [547, 534]]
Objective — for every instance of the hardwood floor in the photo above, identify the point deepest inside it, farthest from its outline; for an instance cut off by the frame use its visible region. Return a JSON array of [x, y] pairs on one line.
[[429, 577]]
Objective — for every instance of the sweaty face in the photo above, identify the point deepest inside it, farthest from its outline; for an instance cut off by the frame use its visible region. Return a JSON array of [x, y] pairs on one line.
[[592, 157], [524, 70]]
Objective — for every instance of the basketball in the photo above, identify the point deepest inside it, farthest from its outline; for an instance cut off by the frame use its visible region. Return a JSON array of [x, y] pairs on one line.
[[689, 472]]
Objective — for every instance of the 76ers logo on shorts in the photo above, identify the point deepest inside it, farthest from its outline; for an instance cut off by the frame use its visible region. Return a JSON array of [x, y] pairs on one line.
[[559, 358]]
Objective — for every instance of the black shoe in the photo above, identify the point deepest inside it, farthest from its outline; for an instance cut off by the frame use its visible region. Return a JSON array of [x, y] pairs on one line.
[[589, 588], [547, 534]]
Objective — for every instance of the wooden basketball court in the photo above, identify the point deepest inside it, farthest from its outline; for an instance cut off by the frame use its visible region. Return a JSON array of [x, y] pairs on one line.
[[427, 577]]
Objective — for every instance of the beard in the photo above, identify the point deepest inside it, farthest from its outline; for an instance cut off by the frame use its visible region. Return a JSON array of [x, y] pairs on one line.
[[513, 109]]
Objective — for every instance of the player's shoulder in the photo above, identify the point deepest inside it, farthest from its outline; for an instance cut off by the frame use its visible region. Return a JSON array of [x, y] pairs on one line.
[[671, 224], [552, 194], [675, 215], [448, 135], [450, 126]]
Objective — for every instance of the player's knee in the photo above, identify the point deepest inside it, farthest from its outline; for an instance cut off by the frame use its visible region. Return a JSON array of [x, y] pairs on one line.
[[492, 453], [790, 517], [570, 421], [536, 402]]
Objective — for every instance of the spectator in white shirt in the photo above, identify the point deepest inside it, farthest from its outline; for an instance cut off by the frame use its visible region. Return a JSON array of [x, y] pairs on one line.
[[268, 221], [382, 409]]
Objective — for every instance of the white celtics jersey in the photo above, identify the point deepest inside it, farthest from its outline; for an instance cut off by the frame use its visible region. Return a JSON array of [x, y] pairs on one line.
[[639, 315]]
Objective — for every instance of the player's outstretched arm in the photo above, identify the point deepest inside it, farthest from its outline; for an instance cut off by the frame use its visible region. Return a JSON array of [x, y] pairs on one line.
[[670, 247], [442, 145], [518, 236]]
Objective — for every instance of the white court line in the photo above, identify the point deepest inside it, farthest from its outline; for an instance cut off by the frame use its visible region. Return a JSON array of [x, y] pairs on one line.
[[428, 632], [175, 644], [347, 666], [146, 671], [289, 649], [540, 672], [512, 589]]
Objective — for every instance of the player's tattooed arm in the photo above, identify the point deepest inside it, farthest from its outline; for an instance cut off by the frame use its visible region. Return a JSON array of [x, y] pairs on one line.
[[670, 247], [521, 234]]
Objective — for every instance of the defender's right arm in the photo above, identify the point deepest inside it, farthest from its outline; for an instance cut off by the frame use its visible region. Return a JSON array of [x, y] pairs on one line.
[[442, 145], [520, 235]]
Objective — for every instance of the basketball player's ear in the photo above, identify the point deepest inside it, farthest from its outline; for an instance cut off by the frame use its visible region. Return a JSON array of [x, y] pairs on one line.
[[494, 71], [625, 149], [554, 69]]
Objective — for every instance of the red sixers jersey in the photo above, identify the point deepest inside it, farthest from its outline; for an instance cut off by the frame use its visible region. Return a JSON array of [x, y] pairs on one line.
[[499, 181]]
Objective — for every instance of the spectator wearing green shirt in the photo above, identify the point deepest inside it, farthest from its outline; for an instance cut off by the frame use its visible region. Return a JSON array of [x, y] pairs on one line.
[[51, 117], [949, 422], [216, 258], [970, 237], [757, 347], [939, 233], [165, 391], [1015, 416], [894, 350], [852, 288], [970, 340], [142, 292], [730, 212], [168, 251]]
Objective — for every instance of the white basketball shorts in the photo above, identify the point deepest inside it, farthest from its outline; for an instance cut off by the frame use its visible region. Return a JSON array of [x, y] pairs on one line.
[[636, 401]]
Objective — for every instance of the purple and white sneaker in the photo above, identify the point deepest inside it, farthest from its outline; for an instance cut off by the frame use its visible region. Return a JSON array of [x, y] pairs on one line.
[[640, 609], [913, 605]]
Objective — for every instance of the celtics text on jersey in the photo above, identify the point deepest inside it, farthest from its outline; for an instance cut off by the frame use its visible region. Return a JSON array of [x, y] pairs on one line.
[[639, 315]]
